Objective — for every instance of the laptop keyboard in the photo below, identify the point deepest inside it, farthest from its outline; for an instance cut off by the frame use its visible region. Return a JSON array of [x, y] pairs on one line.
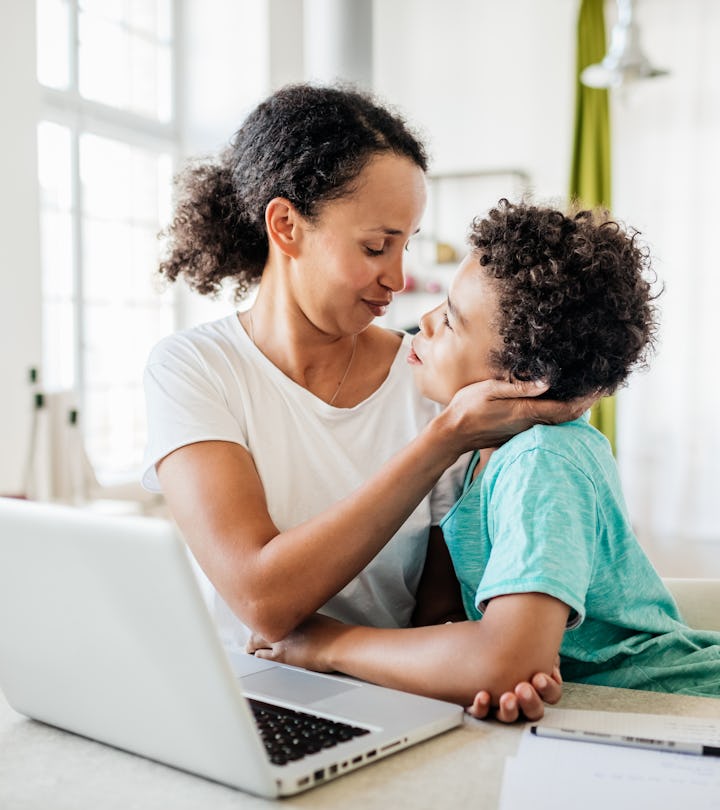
[[290, 735]]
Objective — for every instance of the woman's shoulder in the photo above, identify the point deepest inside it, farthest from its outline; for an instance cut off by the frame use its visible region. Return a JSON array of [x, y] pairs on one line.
[[219, 337], [385, 340], [387, 347], [380, 357]]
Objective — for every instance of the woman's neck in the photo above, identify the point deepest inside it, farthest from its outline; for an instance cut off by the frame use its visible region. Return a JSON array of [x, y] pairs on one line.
[[343, 369]]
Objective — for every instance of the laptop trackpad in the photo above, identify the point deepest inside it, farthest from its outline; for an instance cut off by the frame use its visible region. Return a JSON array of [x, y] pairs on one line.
[[293, 686]]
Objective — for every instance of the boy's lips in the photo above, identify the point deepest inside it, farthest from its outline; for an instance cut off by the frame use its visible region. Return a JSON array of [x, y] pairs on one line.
[[412, 357]]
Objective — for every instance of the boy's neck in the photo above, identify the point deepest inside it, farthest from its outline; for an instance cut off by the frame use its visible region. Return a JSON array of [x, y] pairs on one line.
[[484, 454]]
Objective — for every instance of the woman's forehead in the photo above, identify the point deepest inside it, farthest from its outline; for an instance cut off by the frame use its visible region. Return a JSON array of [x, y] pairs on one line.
[[389, 192]]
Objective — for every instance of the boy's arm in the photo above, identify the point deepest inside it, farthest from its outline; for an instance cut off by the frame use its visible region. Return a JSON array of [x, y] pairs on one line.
[[439, 600], [519, 635]]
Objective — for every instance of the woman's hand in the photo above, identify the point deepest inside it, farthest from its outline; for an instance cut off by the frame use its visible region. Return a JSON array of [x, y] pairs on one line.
[[526, 700], [307, 646], [488, 413]]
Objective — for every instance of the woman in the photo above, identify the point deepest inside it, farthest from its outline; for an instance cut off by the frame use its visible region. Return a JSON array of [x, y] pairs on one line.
[[269, 429]]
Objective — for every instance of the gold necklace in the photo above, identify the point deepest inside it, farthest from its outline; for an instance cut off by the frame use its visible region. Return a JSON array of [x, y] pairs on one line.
[[347, 371], [347, 368]]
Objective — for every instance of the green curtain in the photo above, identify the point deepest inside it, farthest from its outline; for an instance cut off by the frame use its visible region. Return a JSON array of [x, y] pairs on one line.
[[590, 170]]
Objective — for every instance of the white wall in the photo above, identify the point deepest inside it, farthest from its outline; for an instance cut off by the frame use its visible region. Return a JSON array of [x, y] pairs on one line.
[[226, 48], [338, 41], [286, 42], [19, 238], [489, 83]]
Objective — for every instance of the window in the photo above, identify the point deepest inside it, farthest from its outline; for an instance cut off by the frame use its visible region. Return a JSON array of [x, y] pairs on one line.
[[106, 144]]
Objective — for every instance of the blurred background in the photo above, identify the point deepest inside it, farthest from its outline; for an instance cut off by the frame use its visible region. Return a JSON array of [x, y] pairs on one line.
[[104, 99]]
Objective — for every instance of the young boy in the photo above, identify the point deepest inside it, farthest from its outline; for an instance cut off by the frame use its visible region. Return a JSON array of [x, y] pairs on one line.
[[540, 539]]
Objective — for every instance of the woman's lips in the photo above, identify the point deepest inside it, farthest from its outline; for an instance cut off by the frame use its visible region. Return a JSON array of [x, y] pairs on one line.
[[378, 308]]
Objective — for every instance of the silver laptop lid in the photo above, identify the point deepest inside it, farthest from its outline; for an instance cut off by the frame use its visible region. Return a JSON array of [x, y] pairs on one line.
[[96, 643]]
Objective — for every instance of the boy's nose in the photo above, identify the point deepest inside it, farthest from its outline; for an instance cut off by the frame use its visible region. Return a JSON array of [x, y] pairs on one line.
[[426, 323]]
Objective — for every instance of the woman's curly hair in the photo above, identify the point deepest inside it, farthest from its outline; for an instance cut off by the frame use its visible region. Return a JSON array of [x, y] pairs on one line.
[[575, 301], [305, 143]]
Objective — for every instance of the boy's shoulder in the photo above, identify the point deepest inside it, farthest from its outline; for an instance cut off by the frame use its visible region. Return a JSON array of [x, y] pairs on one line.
[[574, 440], [556, 459]]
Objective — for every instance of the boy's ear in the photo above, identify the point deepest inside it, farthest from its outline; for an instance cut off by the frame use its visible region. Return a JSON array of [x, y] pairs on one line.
[[285, 226]]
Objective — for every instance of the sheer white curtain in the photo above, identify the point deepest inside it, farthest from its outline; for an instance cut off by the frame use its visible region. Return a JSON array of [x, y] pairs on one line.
[[666, 174]]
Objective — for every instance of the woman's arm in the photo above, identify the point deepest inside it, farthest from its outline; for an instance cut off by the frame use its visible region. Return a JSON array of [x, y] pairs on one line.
[[273, 580], [519, 635]]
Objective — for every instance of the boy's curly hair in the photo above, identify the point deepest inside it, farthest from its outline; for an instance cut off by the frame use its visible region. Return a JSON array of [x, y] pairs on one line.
[[576, 307]]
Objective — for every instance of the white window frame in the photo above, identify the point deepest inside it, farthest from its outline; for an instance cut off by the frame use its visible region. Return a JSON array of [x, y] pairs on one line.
[[66, 107]]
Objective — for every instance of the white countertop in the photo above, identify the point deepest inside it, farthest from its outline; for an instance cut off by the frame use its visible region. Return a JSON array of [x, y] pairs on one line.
[[43, 768]]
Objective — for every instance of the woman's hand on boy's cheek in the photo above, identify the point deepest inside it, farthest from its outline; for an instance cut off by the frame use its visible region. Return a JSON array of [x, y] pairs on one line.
[[527, 700], [304, 647], [488, 413]]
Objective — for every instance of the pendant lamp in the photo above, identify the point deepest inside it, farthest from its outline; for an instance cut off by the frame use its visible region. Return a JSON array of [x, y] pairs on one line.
[[625, 61]]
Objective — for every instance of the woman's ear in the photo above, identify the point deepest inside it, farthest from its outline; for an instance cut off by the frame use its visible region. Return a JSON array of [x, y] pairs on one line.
[[284, 225]]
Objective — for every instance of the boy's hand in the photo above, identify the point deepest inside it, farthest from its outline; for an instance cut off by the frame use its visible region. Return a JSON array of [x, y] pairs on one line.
[[526, 700]]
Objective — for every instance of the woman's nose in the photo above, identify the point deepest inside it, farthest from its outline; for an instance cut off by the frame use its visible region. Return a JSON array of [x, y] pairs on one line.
[[393, 276]]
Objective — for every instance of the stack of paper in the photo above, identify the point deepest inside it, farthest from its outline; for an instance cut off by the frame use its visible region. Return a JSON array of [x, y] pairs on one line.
[[559, 774]]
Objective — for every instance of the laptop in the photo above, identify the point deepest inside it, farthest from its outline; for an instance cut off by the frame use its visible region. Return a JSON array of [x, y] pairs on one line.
[[104, 633]]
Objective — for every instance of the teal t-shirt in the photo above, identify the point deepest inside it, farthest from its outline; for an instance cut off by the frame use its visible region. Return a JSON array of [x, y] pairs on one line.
[[547, 515]]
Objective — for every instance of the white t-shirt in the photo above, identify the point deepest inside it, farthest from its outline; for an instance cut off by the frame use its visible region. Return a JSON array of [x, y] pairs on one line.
[[212, 383]]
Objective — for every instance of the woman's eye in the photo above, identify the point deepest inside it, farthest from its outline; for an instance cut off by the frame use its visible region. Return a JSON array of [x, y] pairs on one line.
[[446, 321], [374, 251]]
